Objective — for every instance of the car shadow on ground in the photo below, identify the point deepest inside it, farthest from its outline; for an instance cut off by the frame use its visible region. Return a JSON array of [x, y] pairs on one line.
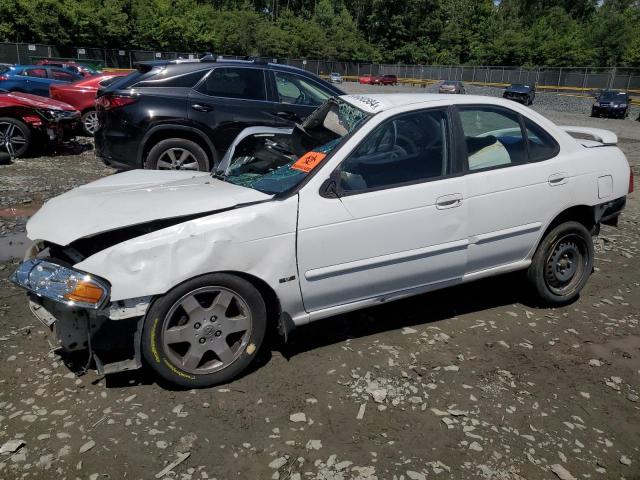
[[423, 309]]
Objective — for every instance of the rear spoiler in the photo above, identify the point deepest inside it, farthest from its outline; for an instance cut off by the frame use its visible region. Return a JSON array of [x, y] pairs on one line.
[[605, 137]]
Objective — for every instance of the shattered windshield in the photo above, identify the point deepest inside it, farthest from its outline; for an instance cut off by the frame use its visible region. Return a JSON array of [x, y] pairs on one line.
[[277, 163]]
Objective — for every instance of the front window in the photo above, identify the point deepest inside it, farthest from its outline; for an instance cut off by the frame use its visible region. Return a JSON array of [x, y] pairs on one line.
[[276, 164], [297, 90]]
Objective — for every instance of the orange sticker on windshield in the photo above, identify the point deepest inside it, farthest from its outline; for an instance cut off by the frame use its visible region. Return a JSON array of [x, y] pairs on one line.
[[308, 161]]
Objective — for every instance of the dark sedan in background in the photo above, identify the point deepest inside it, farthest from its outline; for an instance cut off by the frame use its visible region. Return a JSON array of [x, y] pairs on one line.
[[521, 93], [611, 103]]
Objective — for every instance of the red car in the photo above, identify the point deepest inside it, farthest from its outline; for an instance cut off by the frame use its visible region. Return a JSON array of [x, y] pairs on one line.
[[388, 80], [70, 65], [378, 80], [82, 96], [27, 121], [369, 80]]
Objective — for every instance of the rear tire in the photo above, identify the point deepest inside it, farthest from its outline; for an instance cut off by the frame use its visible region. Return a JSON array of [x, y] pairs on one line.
[[562, 264], [15, 137], [205, 331], [177, 154]]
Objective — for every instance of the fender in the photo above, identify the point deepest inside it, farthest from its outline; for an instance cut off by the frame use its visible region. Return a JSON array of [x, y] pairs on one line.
[[174, 126]]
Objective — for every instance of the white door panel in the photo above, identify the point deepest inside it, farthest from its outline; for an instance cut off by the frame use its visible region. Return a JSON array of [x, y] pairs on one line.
[[385, 241], [507, 209]]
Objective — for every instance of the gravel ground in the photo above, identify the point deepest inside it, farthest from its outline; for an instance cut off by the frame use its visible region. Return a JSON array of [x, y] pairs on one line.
[[471, 382]]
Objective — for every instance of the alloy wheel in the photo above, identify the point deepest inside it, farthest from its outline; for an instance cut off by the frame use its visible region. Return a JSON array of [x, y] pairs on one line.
[[206, 330], [12, 138], [177, 159], [90, 122]]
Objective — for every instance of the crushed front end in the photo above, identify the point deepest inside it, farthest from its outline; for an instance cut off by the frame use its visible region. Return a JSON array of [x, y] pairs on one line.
[[75, 306]]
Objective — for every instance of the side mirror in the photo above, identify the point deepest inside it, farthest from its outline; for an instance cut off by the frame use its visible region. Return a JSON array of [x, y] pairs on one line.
[[329, 188]]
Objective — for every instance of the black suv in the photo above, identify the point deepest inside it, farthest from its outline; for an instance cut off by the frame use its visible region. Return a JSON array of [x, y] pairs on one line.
[[521, 93], [183, 115], [611, 103]]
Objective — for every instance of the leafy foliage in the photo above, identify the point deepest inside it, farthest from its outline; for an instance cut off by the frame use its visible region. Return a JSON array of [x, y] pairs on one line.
[[506, 32]]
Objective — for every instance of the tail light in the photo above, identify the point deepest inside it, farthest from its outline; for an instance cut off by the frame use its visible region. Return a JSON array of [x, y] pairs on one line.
[[630, 180], [3, 78], [109, 102]]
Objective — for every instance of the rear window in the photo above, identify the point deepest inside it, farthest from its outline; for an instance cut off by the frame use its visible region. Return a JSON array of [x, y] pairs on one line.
[[233, 82], [167, 79], [3, 69], [107, 81]]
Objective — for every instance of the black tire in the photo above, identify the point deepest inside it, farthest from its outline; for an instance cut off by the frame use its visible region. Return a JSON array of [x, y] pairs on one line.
[[164, 151], [562, 264], [161, 358], [24, 132]]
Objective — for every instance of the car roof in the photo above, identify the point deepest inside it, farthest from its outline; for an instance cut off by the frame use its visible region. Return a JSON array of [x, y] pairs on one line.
[[380, 102]]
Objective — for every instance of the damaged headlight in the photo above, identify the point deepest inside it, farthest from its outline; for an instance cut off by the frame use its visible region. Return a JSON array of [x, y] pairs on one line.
[[62, 284], [57, 115]]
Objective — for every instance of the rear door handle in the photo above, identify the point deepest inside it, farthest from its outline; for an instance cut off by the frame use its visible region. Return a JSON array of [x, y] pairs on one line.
[[558, 179], [449, 201], [202, 108]]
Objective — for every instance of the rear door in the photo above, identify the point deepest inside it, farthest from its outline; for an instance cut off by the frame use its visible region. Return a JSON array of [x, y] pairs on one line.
[[514, 180], [296, 96], [228, 100]]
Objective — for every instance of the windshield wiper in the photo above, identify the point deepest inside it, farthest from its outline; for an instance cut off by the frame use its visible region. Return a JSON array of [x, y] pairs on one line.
[[219, 175]]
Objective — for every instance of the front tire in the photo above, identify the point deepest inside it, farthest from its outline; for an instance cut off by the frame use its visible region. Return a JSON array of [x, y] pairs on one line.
[[89, 122], [562, 264], [15, 137], [177, 154], [204, 332]]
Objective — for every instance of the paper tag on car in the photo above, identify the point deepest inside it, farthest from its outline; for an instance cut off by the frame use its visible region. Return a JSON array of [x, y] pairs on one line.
[[308, 161]]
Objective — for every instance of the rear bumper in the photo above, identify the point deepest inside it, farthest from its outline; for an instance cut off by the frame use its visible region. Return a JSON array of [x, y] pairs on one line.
[[610, 211]]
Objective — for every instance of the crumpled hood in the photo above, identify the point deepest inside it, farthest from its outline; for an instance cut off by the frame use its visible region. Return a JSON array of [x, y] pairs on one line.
[[131, 198], [33, 101]]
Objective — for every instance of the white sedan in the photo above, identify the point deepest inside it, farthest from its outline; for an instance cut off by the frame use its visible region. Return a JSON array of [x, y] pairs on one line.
[[374, 198]]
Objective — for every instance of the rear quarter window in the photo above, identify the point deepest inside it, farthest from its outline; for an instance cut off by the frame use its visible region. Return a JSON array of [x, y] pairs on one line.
[[167, 79]]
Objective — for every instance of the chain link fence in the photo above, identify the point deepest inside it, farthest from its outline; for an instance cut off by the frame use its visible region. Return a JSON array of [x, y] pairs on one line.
[[564, 78]]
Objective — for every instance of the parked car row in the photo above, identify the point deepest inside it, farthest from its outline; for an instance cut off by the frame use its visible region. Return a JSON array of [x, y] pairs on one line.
[[47, 103]]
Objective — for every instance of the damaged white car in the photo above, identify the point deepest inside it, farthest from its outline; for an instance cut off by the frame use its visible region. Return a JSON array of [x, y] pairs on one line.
[[372, 199]]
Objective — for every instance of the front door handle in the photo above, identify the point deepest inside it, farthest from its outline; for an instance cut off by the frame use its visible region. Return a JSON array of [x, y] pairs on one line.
[[449, 201], [202, 108], [291, 116], [558, 179]]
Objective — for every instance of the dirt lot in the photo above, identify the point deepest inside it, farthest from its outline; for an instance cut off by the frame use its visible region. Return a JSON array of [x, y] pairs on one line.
[[472, 382]]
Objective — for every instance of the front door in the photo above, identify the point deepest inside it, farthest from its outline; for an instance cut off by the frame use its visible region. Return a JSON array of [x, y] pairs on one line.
[[398, 222], [229, 100]]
